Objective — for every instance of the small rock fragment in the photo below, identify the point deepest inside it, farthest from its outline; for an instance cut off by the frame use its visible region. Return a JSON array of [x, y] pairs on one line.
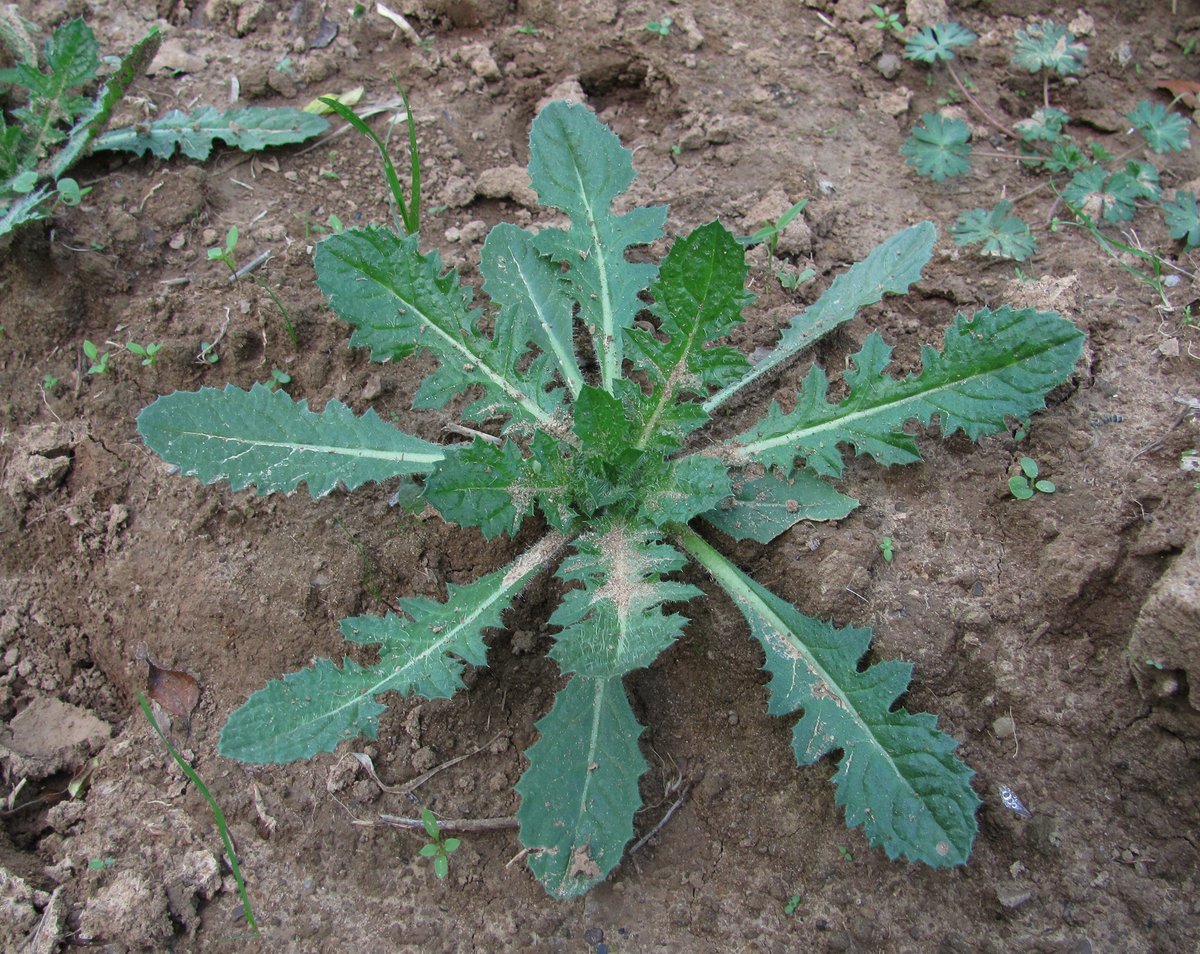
[[1012, 897], [506, 182], [50, 736], [173, 58], [889, 65]]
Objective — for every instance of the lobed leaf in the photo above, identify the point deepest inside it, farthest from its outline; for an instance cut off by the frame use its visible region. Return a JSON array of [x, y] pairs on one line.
[[580, 792], [889, 269], [263, 437], [194, 133], [480, 485], [578, 165], [897, 776], [765, 507], [1183, 218], [937, 43], [1163, 131], [1048, 46], [312, 710], [993, 366], [1045, 125], [1000, 234], [698, 297], [938, 147], [399, 300]]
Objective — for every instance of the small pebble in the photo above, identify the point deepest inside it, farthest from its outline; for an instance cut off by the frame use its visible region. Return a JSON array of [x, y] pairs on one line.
[[1004, 727]]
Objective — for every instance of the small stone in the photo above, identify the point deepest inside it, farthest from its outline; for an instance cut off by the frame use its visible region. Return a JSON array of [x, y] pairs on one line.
[[209, 236], [1012, 897], [1004, 727], [424, 759], [178, 241], [481, 61], [889, 65], [506, 182], [173, 58]]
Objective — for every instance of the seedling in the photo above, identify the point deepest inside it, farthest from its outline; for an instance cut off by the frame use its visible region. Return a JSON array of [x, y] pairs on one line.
[[607, 447], [1093, 181], [661, 27], [148, 352], [99, 864], [99, 360], [769, 233], [1025, 484], [528, 29], [845, 853], [793, 902], [228, 255], [208, 353], [439, 847], [49, 382], [279, 379], [887, 548], [887, 21]]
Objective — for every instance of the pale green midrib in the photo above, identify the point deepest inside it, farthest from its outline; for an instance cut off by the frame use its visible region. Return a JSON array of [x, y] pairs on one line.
[[608, 345], [438, 648], [566, 360], [730, 578], [598, 691], [841, 421], [294, 446], [472, 357]]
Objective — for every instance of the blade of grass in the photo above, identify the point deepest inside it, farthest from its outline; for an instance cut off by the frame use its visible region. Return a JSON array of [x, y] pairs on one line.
[[218, 815], [409, 215]]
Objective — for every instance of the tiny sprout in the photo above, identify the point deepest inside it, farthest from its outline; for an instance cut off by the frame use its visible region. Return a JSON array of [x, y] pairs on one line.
[[887, 548], [208, 353], [792, 904], [279, 379], [148, 352], [49, 382], [661, 27], [99, 361], [1025, 484], [439, 847]]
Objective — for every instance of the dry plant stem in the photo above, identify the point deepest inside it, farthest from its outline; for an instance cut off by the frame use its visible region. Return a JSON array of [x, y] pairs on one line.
[[978, 105], [661, 822], [448, 824]]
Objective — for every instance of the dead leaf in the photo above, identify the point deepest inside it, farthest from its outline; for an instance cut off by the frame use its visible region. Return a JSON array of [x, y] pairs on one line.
[[176, 691], [1186, 91]]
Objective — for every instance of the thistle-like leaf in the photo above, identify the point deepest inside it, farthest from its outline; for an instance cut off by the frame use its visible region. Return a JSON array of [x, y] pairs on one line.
[[993, 366], [579, 166], [897, 776], [399, 300], [698, 297], [480, 485], [580, 792], [763, 508], [194, 133], [312, 710], [938, 147], [889, 269], [263, 437]]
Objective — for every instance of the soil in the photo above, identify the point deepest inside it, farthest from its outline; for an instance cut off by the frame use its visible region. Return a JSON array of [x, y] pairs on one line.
[[1057, 639]]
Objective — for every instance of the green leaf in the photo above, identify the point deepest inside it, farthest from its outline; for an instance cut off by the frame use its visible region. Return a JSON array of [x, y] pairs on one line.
[[94, 119], [1049, 46], [1163, 131], [933, 44], [1045, 125], [614, 623], [579, 166], [580, 792], [938, 147], [480, 485], [1019, 487], [250, 129], [765, 507], [28, 208], [1143, 179], [312, 710], [1001, 234], [995, 365], [687, 487], [1183, 218], [263, 437], [889, 269], [1094, 192], [698, 297], [399, 300], [533, 301], [897, 776], [428, 851], [600, 423], [429, 822]]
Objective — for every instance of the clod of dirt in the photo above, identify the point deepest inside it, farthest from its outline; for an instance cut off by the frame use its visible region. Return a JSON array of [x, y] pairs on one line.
[[1164, 651], [506, 182], [29, 918], [39, 460], [50, 736], [173, 58], [129, 911]]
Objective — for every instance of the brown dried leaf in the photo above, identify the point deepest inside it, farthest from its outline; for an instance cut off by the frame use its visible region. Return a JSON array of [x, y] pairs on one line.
[[1186, 91], [177, 692]]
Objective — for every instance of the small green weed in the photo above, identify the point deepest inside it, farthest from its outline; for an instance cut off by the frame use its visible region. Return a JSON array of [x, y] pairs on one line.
[[770, 232], [208, 353], [99, 360], [793, 902], [279, 379], [439, 847], [147, 352], [887, 21], [229, 257], [661, 27], [528, 29], [1024, 485], [49, 382], [887, 548], [99, 864]]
